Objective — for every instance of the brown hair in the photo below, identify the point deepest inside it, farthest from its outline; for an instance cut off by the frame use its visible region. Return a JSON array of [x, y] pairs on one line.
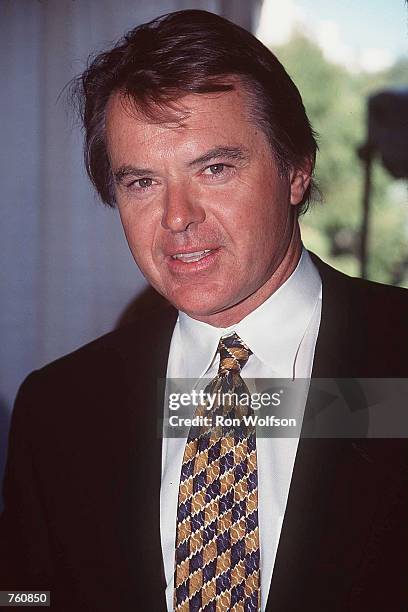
[[188, 52]]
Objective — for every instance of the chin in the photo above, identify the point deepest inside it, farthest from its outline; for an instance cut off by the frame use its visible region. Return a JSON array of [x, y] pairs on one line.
[[196, 304], [195, 310]]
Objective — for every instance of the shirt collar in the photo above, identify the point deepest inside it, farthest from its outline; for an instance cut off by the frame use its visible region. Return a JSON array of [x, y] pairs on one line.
[[273, 331]]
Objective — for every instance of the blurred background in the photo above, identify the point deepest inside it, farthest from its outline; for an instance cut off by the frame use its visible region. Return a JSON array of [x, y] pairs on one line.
[[66, 275], [339, 54]]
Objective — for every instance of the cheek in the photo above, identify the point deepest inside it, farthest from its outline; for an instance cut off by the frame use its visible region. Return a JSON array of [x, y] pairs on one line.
[[261, 224], [262, 236], [138, 232]]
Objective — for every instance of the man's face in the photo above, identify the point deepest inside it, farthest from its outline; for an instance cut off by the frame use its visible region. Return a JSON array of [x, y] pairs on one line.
[[207, 216]]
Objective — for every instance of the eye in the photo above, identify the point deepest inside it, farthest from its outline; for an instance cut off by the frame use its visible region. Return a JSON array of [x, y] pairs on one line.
[[215, 169], [143, 183], [218, 174]]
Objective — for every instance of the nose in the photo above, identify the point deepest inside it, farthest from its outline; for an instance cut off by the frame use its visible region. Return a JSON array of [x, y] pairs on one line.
[[181, 208]]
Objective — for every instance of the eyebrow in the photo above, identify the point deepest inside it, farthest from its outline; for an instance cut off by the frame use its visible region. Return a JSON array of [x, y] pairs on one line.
[[121, 173], [228, 153]]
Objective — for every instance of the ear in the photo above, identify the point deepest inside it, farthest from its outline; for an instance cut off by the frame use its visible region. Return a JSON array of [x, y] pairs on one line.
[[299, 181]]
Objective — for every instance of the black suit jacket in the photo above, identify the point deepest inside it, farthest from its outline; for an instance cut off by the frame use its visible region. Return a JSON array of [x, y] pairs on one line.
[[83, 476]]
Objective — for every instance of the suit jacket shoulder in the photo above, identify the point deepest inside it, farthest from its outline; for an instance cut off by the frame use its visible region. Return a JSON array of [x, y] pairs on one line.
[[364, 327], [84, 449]]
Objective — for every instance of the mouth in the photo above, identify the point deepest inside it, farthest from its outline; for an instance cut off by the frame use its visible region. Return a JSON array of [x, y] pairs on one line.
[[191, 257], [192, 262]]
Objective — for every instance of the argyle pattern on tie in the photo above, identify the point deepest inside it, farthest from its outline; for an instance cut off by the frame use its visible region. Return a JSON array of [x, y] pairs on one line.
[[217, 541]]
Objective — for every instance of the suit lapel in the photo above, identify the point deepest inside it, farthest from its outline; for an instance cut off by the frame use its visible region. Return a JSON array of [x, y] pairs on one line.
[[326, 516], [145, 355], [332, 353]]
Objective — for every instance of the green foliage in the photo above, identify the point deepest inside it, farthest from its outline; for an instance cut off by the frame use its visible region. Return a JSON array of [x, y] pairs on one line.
[[336, 100]]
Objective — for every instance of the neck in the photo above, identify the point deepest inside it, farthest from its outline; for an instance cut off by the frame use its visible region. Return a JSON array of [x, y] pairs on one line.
[[278, 276]]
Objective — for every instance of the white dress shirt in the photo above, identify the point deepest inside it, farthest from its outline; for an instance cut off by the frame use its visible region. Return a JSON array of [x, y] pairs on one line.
[[281, 334]]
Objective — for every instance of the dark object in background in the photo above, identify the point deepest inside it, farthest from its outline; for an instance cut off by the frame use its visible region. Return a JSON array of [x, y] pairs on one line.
[[387, 136], [388, 130]]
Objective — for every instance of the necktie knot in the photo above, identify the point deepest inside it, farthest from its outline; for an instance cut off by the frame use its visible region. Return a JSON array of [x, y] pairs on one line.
[[233, 354]]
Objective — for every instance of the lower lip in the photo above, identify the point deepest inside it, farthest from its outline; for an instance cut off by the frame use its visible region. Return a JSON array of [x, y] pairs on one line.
[[191, 267]]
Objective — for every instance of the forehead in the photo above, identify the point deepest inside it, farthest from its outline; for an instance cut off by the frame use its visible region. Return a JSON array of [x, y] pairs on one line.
[[195, 122]]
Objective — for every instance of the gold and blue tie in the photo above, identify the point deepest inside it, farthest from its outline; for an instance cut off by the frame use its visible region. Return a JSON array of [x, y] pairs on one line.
[[217, 540]]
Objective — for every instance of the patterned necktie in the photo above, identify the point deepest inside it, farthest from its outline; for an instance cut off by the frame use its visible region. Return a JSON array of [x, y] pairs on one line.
[[217, 541]]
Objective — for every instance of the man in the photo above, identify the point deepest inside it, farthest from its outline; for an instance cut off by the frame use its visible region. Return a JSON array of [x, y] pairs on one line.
[[199, 137]]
